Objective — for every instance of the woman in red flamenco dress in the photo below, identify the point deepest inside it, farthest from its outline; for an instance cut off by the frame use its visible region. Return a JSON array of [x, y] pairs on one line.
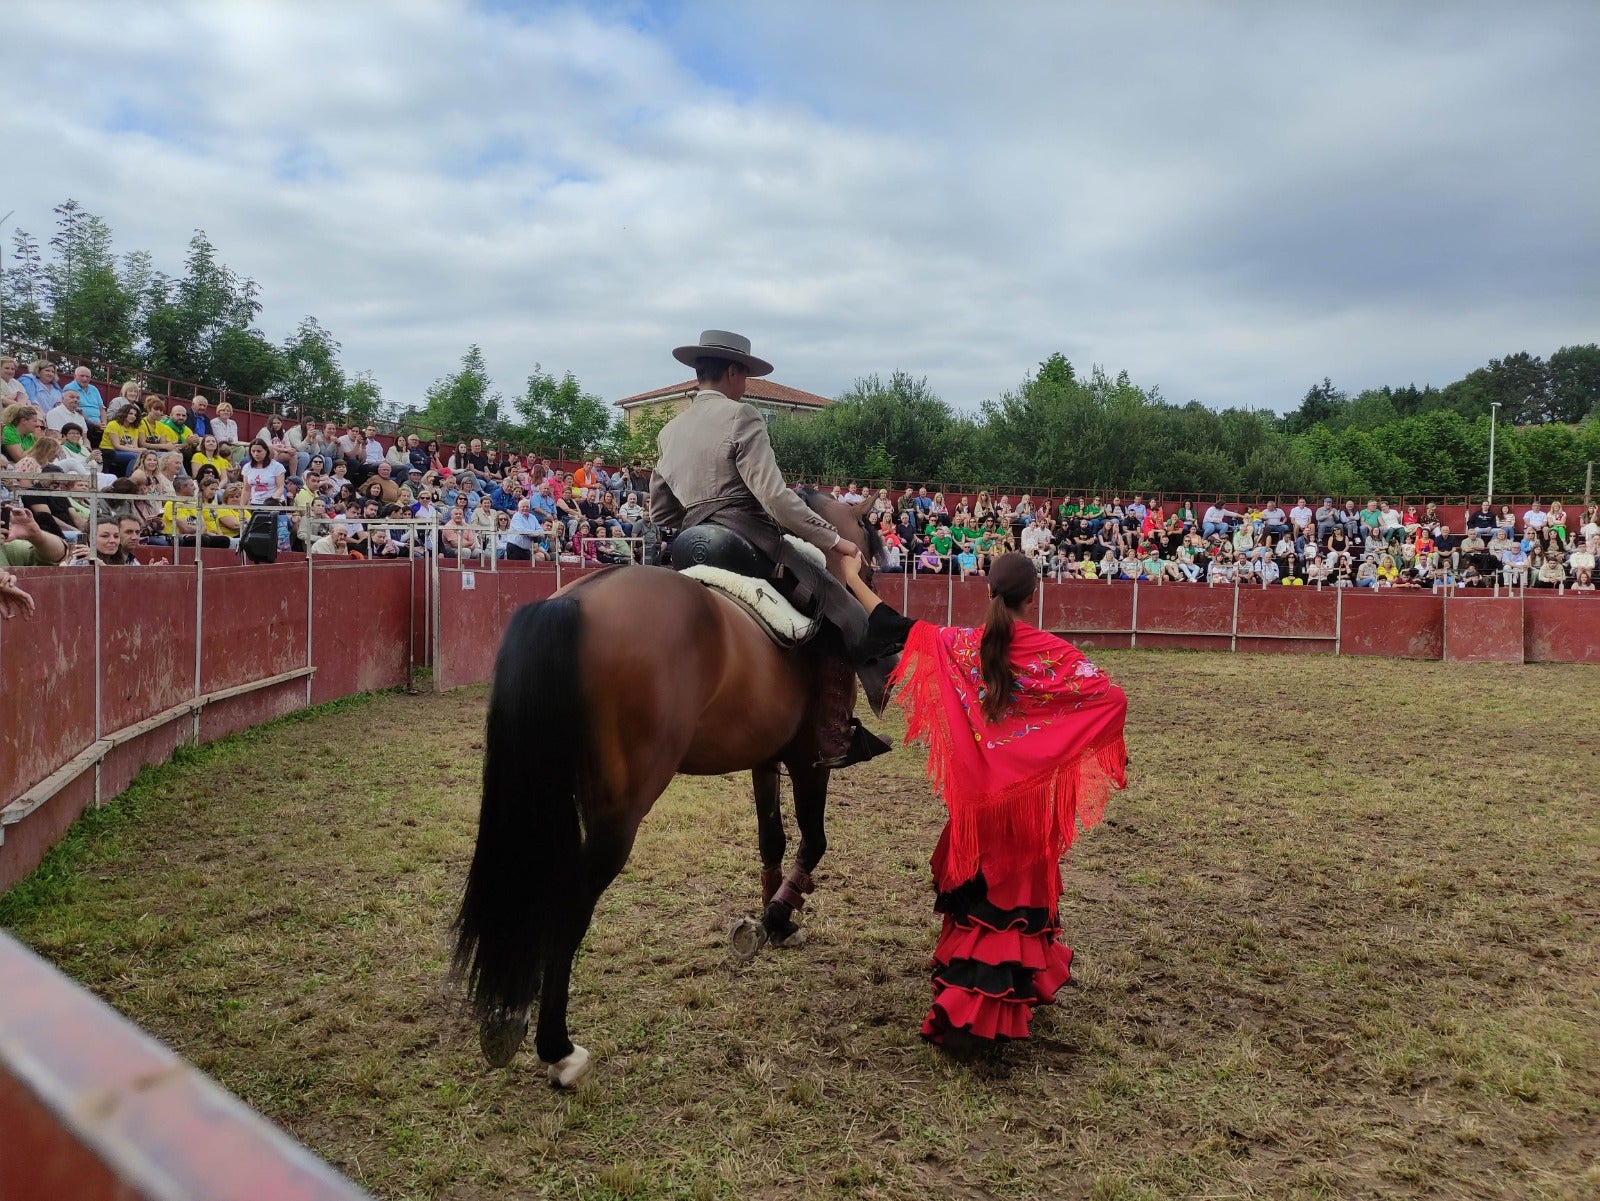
[[1025, 744]]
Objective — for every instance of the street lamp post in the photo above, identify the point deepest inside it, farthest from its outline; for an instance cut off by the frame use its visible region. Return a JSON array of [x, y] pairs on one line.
[[1494, 411]]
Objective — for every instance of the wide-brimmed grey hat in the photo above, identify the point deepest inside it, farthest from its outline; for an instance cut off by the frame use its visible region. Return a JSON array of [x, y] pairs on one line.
[[720, 344]]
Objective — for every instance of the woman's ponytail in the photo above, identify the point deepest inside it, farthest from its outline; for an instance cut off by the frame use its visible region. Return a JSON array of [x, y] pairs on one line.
[[994, 659], [1012, 579]]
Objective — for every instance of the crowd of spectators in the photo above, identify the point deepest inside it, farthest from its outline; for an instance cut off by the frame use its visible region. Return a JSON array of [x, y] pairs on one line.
[[188, 477], [1375, 546]]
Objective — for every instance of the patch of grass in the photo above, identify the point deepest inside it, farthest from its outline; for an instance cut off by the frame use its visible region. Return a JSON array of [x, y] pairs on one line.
[[1337, 938]]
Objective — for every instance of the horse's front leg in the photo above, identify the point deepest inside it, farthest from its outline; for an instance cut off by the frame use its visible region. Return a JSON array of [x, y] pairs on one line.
[[810, 808]]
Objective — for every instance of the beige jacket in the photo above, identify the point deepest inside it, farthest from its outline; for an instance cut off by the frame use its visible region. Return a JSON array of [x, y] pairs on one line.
[[719, 449]]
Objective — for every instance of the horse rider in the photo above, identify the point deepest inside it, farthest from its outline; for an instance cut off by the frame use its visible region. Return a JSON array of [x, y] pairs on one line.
[[716, 475]]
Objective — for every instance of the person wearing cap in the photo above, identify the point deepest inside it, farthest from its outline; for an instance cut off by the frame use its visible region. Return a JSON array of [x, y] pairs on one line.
[[715, 475], [1327, 518], [1025, 743]]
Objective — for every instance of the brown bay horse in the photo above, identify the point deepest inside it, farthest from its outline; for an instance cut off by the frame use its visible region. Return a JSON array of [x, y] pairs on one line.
[[707, 693]]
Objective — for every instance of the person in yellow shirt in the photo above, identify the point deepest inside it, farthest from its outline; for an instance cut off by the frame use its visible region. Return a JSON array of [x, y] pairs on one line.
[[154, 432], [212, 530], [231, 517], [208, 454], [120, 439]]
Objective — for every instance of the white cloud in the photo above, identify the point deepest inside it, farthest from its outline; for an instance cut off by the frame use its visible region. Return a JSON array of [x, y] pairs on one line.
[[1228, 202]]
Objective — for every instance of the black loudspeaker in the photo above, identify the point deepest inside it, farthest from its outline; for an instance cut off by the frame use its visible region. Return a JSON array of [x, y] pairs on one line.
[[260, 540]]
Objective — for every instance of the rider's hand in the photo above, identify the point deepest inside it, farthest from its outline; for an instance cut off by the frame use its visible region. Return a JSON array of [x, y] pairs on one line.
[[848, 549]]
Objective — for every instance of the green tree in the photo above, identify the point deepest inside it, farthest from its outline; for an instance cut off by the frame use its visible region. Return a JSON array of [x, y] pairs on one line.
[[558, 412], [201, 327], [311, 376], [1574, 382], [636, 438], [363, 399], [1320, 405], [24, 286], [90, 311], [463, 402]]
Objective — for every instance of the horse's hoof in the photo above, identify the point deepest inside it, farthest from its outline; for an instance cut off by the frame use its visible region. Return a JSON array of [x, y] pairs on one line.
[[500, 1038], [565, 1073], [793, 941], [746, 939]]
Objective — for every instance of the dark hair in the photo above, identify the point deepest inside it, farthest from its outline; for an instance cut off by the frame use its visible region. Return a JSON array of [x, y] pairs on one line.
[[710, 371], [1012, 579]]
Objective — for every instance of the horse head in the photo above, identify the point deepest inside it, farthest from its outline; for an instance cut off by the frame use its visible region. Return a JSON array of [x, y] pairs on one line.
[[851, 520]]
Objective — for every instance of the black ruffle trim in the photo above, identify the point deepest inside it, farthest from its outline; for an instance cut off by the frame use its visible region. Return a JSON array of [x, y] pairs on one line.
[[1010, 981], [970, 903]]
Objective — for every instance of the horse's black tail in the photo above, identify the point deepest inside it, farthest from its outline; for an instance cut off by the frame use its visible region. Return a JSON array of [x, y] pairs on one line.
[[526, 876]]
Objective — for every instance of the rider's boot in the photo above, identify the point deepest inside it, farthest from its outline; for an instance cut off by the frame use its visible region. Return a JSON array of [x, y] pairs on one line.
[[841, 739]]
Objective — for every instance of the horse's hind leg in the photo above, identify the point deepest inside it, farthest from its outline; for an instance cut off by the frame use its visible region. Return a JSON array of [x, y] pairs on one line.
[[769, 829], [810, 808], [604, 853]]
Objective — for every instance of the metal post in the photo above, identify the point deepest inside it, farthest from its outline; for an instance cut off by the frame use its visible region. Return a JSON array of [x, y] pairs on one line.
[[99, 677], [199, 607], [438, 597], [905, 589], [1494, 411], [311, 577], [1133, 624], [950, 593], [1233, 636], [1338, 621]]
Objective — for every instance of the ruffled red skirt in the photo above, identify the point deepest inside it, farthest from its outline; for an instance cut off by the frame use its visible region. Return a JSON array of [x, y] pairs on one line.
[[999, 953]]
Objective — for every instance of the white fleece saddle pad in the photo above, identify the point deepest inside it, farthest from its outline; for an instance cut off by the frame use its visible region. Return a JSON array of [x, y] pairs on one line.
[[781, 620]]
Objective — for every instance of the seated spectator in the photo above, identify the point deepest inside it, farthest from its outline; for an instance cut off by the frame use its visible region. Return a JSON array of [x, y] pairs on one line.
[[383, 544], [76, 456], [154, 432], [1367, 573], [1552, 570], [1219, 520], [119, 441], [207, 452], [398, 459], [90, 402], [182, 522], [1508, 521], [1557, 521], [1534, 518], [335, 542], [108, 547], [1584, 581], [1481, 521], [41, 386], [1581, 558], [177, 421], [23, 423], [417, 455], [223, 424], [457, 539], [1274, 521], [1514, 567], [70, 410], [11, 390], [130, 533], [232, 516]]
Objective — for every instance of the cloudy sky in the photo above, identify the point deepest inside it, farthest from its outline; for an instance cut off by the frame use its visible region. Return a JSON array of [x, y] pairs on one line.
[[1229, 201]]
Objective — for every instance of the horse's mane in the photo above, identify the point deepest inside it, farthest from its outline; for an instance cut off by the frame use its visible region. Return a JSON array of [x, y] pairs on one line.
[[870, 541]]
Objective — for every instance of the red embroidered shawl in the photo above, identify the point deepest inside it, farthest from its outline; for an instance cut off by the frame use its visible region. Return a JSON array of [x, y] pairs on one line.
[[1016, 790]]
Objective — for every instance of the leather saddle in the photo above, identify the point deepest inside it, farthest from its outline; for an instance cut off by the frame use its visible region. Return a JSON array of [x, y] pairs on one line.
[[727, 562]]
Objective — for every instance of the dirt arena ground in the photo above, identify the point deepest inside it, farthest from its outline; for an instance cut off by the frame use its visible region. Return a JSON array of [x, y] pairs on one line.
[[1337, 939]]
